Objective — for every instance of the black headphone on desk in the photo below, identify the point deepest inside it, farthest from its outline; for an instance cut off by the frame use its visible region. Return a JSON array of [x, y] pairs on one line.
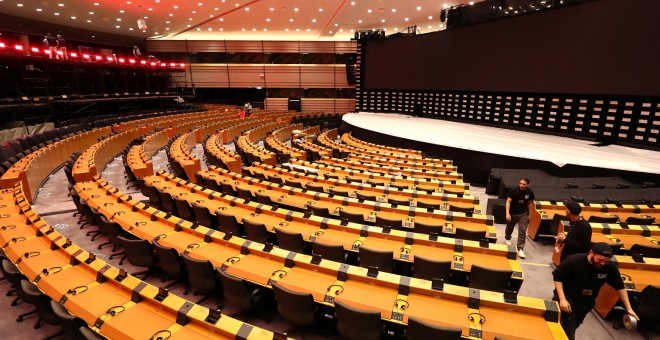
[[482, 318]]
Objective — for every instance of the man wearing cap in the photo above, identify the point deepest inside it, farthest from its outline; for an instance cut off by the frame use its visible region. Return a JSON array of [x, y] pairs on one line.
[[578, 237], [578, 280]]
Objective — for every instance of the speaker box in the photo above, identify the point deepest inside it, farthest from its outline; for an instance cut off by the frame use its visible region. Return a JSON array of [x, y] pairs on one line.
[[295, 104]]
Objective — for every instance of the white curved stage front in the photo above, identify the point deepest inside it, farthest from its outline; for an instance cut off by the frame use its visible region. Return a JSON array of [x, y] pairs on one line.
[[560, 151]]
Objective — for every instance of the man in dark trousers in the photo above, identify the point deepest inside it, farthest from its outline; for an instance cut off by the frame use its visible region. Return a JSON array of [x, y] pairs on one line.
[[578, 280], [577, 238], [519, 204]]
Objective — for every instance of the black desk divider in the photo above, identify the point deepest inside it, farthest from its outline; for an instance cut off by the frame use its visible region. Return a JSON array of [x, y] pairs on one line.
[[437, 284], [90, 258], [511, 296], [372, 271], [638, 258], [213, 317], [316, 259], [162, 294], [122, 275]]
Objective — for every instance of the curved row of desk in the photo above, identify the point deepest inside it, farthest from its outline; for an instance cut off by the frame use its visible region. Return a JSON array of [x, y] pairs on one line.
[[109, 300], [480, 314], [350, 140], [383, 192]]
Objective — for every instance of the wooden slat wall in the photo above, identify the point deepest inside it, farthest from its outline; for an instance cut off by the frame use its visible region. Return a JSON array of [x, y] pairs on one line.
[[271, 75], [254, 46]]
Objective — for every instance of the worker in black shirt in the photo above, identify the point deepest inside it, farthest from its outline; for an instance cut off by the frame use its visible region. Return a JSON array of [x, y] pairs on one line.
[[577, 238], [578, 280], [519, 204]]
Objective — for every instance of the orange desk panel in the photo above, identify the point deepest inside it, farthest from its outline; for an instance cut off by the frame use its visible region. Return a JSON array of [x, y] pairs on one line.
[[307, 280], [485, 260], [331, 236], [214, 252], [513, 326], [180, 240], [95, 302], [429, 252], [138, 320], [56, 285], [18, 249], [380, 243], [255, 268], [368, 296], [441, 312]]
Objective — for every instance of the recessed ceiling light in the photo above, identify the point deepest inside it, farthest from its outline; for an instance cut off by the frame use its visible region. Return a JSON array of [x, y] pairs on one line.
[[430, 26], [297, 29], [121, 11], [96, 4], [150, 9], [254, 30], [290, 20], [222, 29], [406, 19], [118, 26], [313, 20], [336, 24], [118, 19], [72, 17], [39, 10], [247, 9], [330, 32], [368, 11], [320, 9], [89, 20], [56, 13], [471, 3], [194, 12], [419, 8], [167, 28], [295, 9], [222, 19], [188, 26], [176, 7], [268, 19], [199, 29], [393, 10], [189, 19], [243, 29], [167, 22], [341, 30], [308, 30], [199, 4], [91, 13], [210, 15], [382, 20], [272, 9], [61, 4], [19, 5], [265, 29], [171, 14], [430, 17], [352, 3], [210, 29], [359, 21], [286, 29]]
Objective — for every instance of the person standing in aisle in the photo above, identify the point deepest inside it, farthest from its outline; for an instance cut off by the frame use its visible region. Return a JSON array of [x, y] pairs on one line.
[[519, 204], [577, 238]]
